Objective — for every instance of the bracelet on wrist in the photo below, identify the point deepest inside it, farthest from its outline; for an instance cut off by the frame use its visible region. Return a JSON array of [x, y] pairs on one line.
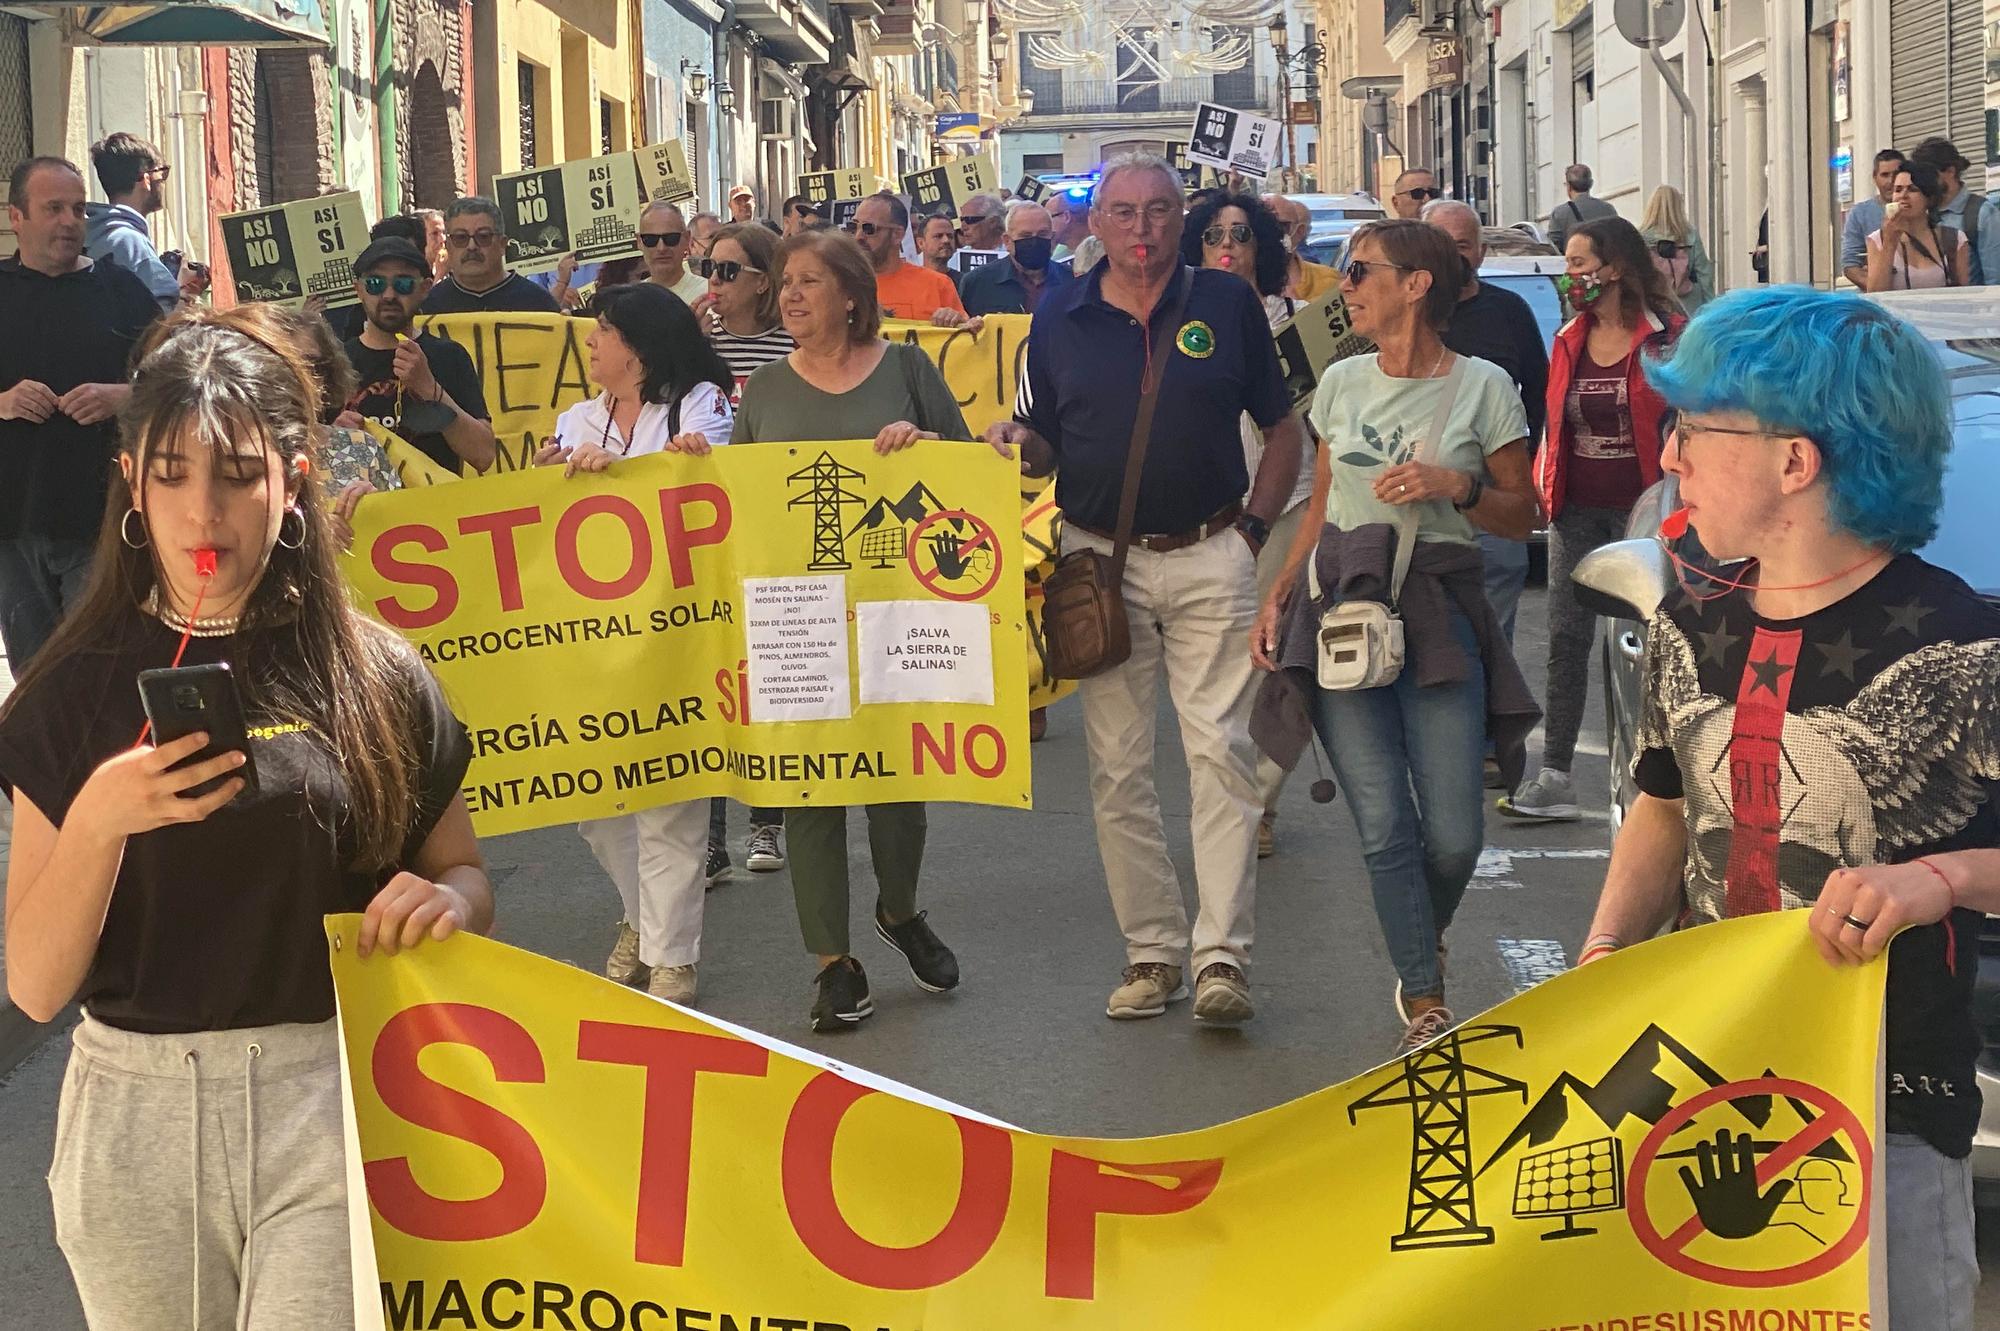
[[1950, 892], [1473, 490]]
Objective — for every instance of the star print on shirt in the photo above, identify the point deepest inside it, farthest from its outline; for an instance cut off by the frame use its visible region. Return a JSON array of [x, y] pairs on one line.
[[1840, 657], [1770, 673], [1907, 618], [1716, 645]]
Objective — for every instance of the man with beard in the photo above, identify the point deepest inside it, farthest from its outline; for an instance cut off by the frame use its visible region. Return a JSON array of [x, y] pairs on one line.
[[135, 181], [423, 387], [937, 241], [906, 290], [1016, 283]]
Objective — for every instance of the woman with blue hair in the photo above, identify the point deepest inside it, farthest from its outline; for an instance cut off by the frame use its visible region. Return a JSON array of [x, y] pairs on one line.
[[1851, 693]]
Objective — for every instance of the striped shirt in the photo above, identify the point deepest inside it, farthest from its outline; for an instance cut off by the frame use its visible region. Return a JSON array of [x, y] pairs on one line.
[[743, 355]]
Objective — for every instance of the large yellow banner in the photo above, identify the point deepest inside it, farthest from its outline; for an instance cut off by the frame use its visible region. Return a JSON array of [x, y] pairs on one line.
[[787, 624], [534, 1138]]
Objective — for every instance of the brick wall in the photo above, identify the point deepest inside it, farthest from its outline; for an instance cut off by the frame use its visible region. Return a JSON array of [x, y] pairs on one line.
[[432, 83], [280, 126]]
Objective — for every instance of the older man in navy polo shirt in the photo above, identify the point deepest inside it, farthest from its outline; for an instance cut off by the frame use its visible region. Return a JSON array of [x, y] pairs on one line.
[[1191, 578]]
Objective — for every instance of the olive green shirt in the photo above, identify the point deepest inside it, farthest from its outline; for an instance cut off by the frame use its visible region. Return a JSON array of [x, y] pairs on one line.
[[780, 407]]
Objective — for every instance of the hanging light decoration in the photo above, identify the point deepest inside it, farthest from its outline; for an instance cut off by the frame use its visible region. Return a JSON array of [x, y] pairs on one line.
[[1154, 40]]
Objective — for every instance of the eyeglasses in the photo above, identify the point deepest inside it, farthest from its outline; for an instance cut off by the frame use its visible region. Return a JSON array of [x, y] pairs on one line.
[[1239, 232], [1681, 427], [1420, 193], [1357, 270], [458, 240], [805, 214], [969, 221], [667, 238], [160, 172], [1159, 212], [375, 284], [865, 228], [728, 270]]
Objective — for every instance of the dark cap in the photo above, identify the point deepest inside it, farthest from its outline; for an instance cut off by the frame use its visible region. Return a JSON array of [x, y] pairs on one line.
[[390, 249]]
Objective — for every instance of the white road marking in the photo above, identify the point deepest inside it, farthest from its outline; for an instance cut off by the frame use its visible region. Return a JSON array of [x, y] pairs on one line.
[[1529, 961], [1496, 863]]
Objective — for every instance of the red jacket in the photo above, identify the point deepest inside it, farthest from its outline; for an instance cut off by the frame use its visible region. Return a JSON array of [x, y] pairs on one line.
[[1648, 408]]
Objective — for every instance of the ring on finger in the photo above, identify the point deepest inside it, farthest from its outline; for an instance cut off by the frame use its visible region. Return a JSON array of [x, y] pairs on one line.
[[1861, 925]]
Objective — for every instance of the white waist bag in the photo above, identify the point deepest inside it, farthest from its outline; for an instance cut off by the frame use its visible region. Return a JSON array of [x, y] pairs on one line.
[[1361, 642]]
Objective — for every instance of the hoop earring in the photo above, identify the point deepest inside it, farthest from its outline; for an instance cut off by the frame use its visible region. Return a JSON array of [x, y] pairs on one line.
[[292, 514], [125, 530]]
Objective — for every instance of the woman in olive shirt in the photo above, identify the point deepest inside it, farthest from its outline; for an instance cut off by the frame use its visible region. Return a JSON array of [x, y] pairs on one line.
[[846, 382]]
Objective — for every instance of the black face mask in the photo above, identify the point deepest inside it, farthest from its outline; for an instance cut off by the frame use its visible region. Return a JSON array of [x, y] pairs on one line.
[[1034, 252]]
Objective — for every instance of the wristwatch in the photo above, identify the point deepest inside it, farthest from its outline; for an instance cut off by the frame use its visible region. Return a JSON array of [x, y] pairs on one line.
[[1258, 530], [1472, 495]]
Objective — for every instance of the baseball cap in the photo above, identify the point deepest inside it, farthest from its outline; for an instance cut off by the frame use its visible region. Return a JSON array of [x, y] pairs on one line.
[[390, 249], [742, 192]]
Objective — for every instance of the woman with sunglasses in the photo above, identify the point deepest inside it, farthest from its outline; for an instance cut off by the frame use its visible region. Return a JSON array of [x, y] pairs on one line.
[[198, 1176], [1238, 233], [663, 390], [1409, 755], [1601, 453]]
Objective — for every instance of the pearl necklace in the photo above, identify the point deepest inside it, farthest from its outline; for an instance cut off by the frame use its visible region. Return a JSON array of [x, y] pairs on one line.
[[209, 626]]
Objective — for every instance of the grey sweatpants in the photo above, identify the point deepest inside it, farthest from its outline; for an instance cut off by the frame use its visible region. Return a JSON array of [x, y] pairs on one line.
[[199, 1179], [1571, 628]]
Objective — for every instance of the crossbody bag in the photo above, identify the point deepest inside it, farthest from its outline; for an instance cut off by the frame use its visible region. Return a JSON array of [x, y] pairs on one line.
[[1083, 598], [1361, 642]]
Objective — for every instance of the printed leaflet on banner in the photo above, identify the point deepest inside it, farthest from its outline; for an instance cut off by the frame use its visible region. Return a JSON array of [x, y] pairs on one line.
[[297, 250]]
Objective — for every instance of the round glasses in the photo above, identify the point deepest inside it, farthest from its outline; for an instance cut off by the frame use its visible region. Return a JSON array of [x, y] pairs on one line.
[[1239, 232]]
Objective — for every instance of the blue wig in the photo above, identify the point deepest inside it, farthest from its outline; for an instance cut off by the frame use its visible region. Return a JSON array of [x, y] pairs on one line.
[[1842, 371]]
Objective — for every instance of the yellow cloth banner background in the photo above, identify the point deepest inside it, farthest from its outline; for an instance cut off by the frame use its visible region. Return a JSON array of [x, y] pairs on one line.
[[531, 1132], [592, 630]]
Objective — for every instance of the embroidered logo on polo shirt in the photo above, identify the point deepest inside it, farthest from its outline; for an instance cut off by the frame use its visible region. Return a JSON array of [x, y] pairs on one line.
[[1196, 339]]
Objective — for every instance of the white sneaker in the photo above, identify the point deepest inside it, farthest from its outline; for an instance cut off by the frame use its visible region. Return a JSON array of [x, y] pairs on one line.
[[1549, 796], [624, 967], [673, 983], [765, 853]]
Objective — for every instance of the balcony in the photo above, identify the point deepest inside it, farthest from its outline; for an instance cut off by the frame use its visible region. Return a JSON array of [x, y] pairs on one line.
[[798, 32], [1090, 97]]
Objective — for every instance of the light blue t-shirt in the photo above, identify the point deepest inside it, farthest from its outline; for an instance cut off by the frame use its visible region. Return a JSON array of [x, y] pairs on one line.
[[1371, 420]]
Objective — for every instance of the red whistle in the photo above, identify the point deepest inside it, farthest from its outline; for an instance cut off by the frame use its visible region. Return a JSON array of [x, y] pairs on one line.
[[1674, 525], [1143, 252], [204, 562]]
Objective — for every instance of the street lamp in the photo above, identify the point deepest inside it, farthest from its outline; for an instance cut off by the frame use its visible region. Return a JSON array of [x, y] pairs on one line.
[[1308, 61], [725, 98], [697, 80]]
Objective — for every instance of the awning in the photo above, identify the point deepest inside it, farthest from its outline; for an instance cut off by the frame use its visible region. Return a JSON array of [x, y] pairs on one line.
[[202, 23]]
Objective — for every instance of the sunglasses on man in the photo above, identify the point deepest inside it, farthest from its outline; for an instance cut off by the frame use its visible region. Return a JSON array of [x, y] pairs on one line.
[[864, 228], [667, 238], [1239, 232], [1420, 194], [726, 270], [375, 284], [458, 240]]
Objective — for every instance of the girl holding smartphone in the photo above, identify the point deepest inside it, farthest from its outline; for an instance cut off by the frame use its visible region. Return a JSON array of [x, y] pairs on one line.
[[198, 1164]]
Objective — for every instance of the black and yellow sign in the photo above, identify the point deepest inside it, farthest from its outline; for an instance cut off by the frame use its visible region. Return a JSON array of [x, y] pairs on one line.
[[289, 252], [946, 189]]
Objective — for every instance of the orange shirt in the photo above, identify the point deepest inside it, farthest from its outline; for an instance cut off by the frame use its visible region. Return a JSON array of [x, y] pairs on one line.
[[915, 292]]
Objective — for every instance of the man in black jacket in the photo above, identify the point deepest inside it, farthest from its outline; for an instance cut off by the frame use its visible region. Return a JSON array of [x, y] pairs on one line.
[[71, 326], [1016, 282]]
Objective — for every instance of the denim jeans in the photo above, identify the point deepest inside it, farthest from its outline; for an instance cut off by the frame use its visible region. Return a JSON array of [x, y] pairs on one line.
[[1506, 576], [41, 578], [1933, 1264], [1408, 761]]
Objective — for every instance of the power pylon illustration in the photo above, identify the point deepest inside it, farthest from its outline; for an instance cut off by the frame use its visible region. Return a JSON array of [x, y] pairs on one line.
[[826, 497], [1438, 1085]]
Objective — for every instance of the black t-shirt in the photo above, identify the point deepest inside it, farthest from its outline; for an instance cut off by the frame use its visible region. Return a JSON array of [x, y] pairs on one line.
[[78, 328], [1497, 325], [517, 295], [380, 396], [1866, 733], [216, 925]]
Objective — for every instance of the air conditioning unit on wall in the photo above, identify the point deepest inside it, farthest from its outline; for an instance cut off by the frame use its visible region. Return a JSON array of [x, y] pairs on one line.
[[776, 118]]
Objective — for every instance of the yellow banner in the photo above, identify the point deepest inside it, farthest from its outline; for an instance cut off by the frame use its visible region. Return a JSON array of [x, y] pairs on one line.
[[785, 624], [533, 1136]]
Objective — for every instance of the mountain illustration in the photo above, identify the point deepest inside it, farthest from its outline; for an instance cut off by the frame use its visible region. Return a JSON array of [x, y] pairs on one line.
[[915, 505]]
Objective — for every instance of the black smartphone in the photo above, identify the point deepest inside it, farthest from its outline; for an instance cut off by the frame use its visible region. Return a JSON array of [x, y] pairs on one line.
[[186, 699]]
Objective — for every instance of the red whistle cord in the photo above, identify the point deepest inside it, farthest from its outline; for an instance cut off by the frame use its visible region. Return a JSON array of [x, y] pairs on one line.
[[1675, 525], [204, 567]]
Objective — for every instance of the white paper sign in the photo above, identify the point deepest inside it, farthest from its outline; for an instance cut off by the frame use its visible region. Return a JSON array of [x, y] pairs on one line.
[[1232, 140], [925, 651], [796, 632]]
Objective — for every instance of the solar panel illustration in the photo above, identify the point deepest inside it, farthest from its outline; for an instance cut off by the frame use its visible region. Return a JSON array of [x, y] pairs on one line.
[[1569, 1181]]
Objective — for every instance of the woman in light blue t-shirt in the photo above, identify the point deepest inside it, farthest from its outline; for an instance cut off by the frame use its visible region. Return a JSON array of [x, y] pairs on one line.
[[1409, 757]]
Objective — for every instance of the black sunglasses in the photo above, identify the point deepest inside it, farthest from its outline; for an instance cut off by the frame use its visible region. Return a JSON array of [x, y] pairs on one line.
[[1421, 193], [865, 228], [669, 238], [1239, 232], [726, 269], [1358, 270], [375, 284]]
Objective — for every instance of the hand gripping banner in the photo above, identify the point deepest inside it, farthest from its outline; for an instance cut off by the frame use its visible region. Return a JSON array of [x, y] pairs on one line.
[[1617, 1149]]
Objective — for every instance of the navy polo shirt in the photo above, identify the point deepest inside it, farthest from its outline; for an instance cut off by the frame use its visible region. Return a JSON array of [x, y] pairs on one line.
[[1080, 391], [997, 288]]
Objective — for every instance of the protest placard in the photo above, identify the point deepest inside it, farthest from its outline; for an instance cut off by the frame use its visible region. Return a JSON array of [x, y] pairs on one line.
[[289, 252]]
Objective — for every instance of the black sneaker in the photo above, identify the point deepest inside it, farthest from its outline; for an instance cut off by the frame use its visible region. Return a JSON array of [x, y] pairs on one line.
[[931, 963], [718, 862], [842, 998]]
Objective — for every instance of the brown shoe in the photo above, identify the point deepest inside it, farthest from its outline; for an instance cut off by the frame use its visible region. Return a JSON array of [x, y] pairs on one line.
[[1038, 724], [1147, 988], [1222, 996], [1267, 837]]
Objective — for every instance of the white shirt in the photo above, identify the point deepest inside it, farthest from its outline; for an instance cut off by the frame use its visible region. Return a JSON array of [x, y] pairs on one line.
[[1278, 310], [690, 288], [1919, 275], [704, 411]]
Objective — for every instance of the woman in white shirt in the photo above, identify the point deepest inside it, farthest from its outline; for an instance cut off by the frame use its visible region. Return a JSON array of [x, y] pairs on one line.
[[1912, 248], [664, 390]]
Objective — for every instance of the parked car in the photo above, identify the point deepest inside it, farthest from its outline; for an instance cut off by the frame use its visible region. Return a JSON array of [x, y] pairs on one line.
[[1628, 580]]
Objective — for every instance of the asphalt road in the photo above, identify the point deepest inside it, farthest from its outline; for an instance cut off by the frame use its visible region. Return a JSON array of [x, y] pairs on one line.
[[1021, 898]]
